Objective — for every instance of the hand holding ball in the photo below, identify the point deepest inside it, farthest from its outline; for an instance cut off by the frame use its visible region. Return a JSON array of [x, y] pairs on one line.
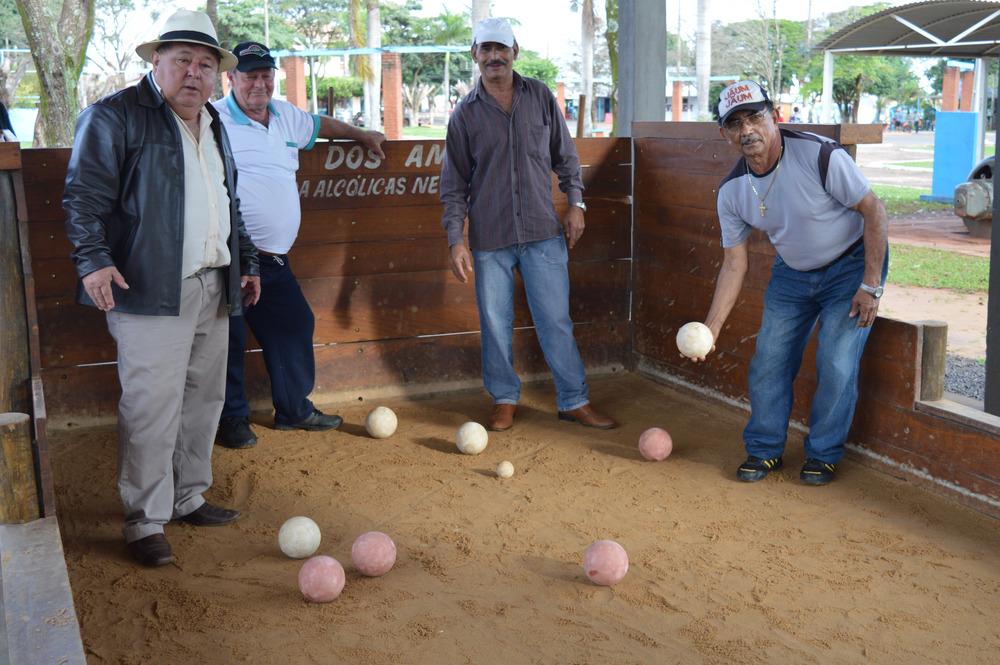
[[373, 553], [471, 438], [695, 340], [655, 444], [605, 562], [299, 537], [381, 422], [321, 579]]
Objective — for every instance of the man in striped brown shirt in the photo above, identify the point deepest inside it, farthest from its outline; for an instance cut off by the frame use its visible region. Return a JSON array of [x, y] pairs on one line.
[[504, 141]]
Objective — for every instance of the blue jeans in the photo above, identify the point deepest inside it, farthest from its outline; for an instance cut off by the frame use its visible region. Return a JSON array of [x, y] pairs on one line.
[[542, 265], [793, 302], [283, 324]]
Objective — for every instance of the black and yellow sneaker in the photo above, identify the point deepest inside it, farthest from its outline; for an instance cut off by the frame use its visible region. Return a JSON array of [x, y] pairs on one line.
[[815, 472], [755, 468]]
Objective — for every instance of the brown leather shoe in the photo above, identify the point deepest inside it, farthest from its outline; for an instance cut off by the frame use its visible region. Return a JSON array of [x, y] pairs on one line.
[[152, 550], [209, 515], [501, 418], [588, 416]]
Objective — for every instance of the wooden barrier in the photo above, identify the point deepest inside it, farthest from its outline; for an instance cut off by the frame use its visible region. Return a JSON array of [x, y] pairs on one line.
[[372, 259], [35, 584], [901, 426], [391, 319]]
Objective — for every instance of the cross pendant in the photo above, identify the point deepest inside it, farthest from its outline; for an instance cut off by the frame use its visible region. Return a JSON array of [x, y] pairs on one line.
[[762, 208]]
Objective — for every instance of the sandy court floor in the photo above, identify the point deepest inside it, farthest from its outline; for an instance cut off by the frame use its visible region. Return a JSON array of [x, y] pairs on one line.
[[867, 570]]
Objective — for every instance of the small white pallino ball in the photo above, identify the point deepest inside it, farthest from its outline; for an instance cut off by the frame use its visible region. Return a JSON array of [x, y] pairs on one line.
[[373, 553], [471, 438], [505, 469], [605, 562], [694, 339], [299, 537], [381, 422]]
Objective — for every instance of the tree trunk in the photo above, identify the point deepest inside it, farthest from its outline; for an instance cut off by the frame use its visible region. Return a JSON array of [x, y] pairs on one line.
[[447, 84], [703, 56], [587, 73], [611, 35], [211, 8], [59, 49], [373, 87]]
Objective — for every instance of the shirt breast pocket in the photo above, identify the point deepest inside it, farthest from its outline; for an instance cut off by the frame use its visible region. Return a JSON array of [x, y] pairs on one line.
[[538, 142], [293, 154]]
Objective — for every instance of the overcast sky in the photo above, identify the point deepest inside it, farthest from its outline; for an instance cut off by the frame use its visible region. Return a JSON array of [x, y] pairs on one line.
[[547, 26]]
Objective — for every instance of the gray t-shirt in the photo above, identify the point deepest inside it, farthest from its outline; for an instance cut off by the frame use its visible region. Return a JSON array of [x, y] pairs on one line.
[[808, 214]]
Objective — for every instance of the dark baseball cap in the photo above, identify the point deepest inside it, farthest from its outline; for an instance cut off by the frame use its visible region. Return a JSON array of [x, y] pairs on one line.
[[253, 55]]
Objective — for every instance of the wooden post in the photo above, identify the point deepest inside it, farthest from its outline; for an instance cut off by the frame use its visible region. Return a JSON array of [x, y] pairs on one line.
[[18, 489], [933, 360], [579, 117], [15, 366], [677, 102]]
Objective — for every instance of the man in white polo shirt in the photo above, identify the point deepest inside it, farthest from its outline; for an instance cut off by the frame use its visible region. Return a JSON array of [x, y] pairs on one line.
[[266, 135]]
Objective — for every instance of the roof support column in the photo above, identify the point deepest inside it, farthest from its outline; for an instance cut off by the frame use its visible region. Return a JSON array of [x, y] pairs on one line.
[[642, 63], [979, 105], [827, 102], [991, 400]]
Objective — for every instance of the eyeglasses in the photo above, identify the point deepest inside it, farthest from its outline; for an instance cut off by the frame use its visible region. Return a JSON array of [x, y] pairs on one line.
[[736, 124]]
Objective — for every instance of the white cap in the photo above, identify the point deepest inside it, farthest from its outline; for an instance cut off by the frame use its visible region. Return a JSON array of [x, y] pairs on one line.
[[493, 30], [741, 95]]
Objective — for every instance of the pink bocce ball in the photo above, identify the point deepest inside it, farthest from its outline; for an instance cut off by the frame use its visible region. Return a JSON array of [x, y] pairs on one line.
[[605, 562], [373, 553], [321, 579], [655, 444]]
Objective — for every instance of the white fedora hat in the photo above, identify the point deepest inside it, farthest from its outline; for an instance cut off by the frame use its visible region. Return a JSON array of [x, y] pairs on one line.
[[192, 27]]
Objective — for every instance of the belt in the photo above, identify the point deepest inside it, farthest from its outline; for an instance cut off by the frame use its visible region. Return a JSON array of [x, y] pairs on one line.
[[203, 271], [857, 243]]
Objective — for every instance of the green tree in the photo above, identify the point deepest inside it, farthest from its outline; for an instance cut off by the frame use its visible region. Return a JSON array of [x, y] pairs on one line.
[[14, 65], [243, 21], [531, 64], [451, 29], [58, 34]]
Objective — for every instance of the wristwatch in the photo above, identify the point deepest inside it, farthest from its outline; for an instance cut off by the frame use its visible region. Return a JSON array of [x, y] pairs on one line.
[[581, 205], [872, 290]]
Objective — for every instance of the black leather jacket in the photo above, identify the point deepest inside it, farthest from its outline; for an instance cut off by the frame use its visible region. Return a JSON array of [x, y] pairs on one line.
[[124, 201]]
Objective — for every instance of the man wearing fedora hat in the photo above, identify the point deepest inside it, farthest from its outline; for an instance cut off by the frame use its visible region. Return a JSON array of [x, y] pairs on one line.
[[160, 247], [829, 230], [266, 135]]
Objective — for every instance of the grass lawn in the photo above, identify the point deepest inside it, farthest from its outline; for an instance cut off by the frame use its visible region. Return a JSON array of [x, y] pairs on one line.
[[429, 132], [938, 269], [901, 201], [922, 165]]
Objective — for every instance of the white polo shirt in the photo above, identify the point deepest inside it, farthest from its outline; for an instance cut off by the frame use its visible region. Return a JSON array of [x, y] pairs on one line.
[[266, 161]]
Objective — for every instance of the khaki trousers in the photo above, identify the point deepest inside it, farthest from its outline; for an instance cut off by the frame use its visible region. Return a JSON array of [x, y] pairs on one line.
[[173, 376]]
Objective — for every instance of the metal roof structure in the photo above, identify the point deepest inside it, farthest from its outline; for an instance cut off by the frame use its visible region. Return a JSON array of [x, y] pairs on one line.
[[936, 29]]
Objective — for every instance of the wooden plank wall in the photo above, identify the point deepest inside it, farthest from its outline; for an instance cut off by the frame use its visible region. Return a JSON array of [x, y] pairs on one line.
[[677, 250], [373, 262]]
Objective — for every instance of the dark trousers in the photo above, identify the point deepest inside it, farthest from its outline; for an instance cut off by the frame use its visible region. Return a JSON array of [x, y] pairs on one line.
[[283, 324]]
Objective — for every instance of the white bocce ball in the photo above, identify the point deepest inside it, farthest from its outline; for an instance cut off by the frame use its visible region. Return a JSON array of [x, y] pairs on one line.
[[381, 422], [505, 469], [299, 537], [471, 438], [695, 339]]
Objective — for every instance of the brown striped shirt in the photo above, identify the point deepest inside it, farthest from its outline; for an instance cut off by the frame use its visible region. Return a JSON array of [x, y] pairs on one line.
[[498, 168]]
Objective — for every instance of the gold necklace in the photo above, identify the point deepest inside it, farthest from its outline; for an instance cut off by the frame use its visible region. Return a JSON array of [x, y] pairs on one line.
[[773, 178]]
